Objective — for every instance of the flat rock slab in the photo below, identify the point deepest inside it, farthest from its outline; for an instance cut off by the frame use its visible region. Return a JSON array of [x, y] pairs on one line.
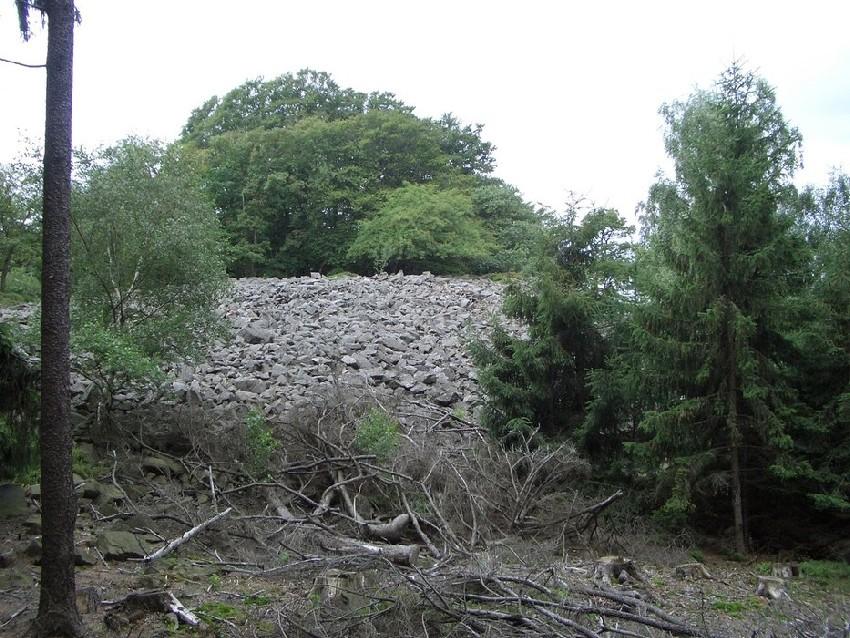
[[13, 501], [121, 545]]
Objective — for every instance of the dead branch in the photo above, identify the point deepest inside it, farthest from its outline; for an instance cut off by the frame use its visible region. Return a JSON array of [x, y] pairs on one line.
[[177, 542]]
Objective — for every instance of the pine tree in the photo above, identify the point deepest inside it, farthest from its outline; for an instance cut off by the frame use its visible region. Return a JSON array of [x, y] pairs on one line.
[[717, 261]]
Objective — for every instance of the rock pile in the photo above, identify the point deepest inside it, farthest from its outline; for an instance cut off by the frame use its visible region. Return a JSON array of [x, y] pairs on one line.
[[296, 338]]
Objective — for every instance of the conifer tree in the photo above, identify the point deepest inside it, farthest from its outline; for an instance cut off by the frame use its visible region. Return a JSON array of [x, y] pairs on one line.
[[718, 259]]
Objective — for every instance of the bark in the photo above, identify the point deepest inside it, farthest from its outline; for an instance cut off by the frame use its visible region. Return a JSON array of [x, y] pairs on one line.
[[734, 432], [5, 267], [57, 612]]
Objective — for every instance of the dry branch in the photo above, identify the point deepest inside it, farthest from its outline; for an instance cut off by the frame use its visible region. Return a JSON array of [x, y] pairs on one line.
[[177, 542]]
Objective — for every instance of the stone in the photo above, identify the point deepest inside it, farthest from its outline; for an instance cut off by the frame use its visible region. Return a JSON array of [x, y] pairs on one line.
[[252, 334], [250, 385], [161, 465], [13, 501], [33, 525], [120, 545]]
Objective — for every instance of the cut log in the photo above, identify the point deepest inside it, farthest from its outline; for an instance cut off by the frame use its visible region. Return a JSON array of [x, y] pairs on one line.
[[771, 587], [691, 571], [390, 532], [613, 570], [404, 555]]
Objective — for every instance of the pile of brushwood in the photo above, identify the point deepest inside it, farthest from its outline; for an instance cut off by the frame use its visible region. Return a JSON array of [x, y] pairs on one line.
[[357, 522]]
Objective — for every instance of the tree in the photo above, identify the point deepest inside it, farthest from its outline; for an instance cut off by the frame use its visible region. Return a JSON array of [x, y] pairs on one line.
[[566, 302], [295, 163], [422, 227], [57, 611], [147, 262], [718, 260], [20, 217]]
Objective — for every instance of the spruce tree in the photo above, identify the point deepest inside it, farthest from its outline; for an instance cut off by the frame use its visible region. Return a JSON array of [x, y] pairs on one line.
[[716, 264]]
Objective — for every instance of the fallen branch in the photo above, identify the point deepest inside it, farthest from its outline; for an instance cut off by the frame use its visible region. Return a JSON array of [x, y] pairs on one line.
[[405, 555], [177, 542], [158, 601]]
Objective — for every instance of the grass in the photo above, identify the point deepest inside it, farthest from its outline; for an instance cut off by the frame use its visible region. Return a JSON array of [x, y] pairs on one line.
[[21, 287], [827, 573], [736, 608]]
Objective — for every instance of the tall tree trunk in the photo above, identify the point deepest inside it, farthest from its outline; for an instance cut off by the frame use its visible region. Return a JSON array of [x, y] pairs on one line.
[[57, 611], [5, 267], [733, 429]]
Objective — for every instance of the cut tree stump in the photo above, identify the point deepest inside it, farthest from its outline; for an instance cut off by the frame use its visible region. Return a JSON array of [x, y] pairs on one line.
[[616, 570], [771, 587], [787, 570], [691, 571]]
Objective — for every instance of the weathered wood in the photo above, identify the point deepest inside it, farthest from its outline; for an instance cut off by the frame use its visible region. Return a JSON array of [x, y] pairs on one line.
[[390, 532], [405, 555], [156, 601], [787, 570], [771, 587], [177, 542], [691, 571], [616, 569]]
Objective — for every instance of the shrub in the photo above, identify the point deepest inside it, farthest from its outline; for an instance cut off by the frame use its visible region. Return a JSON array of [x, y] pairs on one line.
[[261, 442], [377, 433]]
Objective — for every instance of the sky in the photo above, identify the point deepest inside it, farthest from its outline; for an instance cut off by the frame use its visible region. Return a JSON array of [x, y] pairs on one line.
[[567, 91]]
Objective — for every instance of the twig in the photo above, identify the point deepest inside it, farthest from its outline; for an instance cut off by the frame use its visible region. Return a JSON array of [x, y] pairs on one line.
[[15, 615], [29, 66]]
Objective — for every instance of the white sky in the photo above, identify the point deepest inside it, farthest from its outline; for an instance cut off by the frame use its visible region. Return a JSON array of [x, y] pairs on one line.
[[567, 91]]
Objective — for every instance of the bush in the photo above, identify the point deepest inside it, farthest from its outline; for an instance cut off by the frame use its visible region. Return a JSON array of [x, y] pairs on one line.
[[148, 267], [377, 433], [260, 441]]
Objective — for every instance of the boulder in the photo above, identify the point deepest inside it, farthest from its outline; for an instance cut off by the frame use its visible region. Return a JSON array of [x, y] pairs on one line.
[[13, 501], [121, 545], [253, 334]]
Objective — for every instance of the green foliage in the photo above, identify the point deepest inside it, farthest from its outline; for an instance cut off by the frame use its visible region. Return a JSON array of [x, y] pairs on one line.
[[261, 442], [18, 407], [147, 262], [377, 433], [568, 303], [295, 164], [20, 226], [714, 276], [827, 573], [736, 608], [22, 286], [422, 227], [84, 465], [112, 360]]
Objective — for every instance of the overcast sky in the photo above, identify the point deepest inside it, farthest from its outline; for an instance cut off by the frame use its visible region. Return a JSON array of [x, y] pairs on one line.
[[567, 91]]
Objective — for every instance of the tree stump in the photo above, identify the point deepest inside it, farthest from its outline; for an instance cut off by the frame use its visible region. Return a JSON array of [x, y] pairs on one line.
[[771, 587], [787, 570], [691, 571], [616, 570]]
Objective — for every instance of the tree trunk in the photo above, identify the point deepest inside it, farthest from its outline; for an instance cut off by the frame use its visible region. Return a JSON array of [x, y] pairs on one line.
[[57, 611], [5, 267], [734, 431]]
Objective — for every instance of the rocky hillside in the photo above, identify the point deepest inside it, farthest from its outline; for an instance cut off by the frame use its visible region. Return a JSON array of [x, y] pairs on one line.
[[293, 338]]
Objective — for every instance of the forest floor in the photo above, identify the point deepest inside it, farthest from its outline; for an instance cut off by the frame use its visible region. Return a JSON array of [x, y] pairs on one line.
[[272, 567]]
